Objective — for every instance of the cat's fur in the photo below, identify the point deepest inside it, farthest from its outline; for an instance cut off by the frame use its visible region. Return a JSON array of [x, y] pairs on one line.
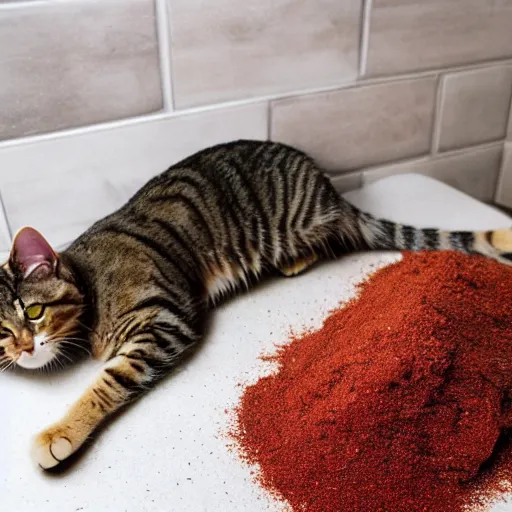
[[144, 277]]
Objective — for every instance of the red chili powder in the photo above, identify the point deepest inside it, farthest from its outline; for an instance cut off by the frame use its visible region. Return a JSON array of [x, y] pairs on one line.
[[398, 401]]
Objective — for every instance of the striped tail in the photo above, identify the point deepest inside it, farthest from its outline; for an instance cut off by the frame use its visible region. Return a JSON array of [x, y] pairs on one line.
[[383, 234]]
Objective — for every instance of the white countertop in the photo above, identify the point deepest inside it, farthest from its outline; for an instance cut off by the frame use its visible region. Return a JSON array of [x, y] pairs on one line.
[[167, 452]]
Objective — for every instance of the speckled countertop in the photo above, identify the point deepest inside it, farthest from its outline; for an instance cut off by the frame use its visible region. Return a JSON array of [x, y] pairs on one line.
[[168, 452]]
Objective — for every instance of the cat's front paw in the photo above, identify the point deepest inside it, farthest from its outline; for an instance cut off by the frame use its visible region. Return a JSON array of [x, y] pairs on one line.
[[51, 447]]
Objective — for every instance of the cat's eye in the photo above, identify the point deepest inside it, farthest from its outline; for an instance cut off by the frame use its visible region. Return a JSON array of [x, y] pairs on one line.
[[34, 312], [5, 332]]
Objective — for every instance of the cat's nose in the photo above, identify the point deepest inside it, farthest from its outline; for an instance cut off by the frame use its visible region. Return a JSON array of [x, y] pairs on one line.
[[26, 341]]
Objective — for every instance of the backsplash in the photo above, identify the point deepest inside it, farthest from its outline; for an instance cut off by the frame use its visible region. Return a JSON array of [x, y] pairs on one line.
[[73, 63], [99, 95]]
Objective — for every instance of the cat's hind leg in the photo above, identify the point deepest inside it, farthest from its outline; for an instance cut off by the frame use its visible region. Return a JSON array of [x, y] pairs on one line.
[[297, 266]]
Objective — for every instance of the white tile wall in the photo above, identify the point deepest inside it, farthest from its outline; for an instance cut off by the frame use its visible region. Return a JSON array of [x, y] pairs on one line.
[[92, 174], [474, 171], [361, 126], [231, 49], [67, 64], [169, 77], [410, 35], [5, 235], [475, 106]]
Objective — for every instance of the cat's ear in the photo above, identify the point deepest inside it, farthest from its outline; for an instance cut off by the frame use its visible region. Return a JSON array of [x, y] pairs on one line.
[[31, 254]]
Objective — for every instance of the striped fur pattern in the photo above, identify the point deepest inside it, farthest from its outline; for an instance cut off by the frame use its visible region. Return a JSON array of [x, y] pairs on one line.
[[143, 279]]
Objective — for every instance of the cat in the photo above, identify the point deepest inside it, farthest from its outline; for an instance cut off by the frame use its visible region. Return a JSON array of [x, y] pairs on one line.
[[143, 279]]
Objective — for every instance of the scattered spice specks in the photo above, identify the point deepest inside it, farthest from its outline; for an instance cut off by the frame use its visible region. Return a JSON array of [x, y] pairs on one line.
[[400, 402]]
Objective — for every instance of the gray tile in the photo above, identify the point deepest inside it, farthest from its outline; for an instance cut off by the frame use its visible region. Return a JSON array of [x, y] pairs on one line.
[[346, 182], [410, 35], [227, 50], [353, 128], [426, 202], [504, 191], [475, 171], [475, 106], [62, 185], [67, 64]]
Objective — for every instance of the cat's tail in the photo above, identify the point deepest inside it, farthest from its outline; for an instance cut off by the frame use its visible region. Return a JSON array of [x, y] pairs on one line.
[[383, 234]]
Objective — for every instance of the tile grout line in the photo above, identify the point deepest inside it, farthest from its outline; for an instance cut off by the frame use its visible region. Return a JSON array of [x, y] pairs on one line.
[[365, 36], [501, 174], [5, 218], [164, 53], [161, 115], [23, 4], [508, 126], [169, 46], [164, 115], [438, 112], [428, 157], [453, 68]]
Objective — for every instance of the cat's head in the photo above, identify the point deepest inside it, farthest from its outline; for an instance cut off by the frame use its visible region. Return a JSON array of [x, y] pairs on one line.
[[40, 303]]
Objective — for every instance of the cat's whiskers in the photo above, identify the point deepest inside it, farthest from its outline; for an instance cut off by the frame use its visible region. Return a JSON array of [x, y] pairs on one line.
[[64, 331], [76, 347], [61, 354], [74, 338], [58, 362], [72, 342], [65, 339], [49, 367], [86, 327], [6, 365], [44, 369], [55, 365]]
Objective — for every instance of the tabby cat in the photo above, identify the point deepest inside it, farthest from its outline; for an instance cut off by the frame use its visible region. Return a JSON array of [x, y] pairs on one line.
[[142, 279]]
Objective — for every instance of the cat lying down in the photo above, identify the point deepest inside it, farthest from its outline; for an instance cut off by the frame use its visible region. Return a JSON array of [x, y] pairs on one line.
[[139, 283]]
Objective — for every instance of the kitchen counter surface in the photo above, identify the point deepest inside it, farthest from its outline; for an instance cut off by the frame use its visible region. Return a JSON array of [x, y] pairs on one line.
[[168, 452]]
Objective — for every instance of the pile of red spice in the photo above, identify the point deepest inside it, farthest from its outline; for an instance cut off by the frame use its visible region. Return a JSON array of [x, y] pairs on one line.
[[400, 402]]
